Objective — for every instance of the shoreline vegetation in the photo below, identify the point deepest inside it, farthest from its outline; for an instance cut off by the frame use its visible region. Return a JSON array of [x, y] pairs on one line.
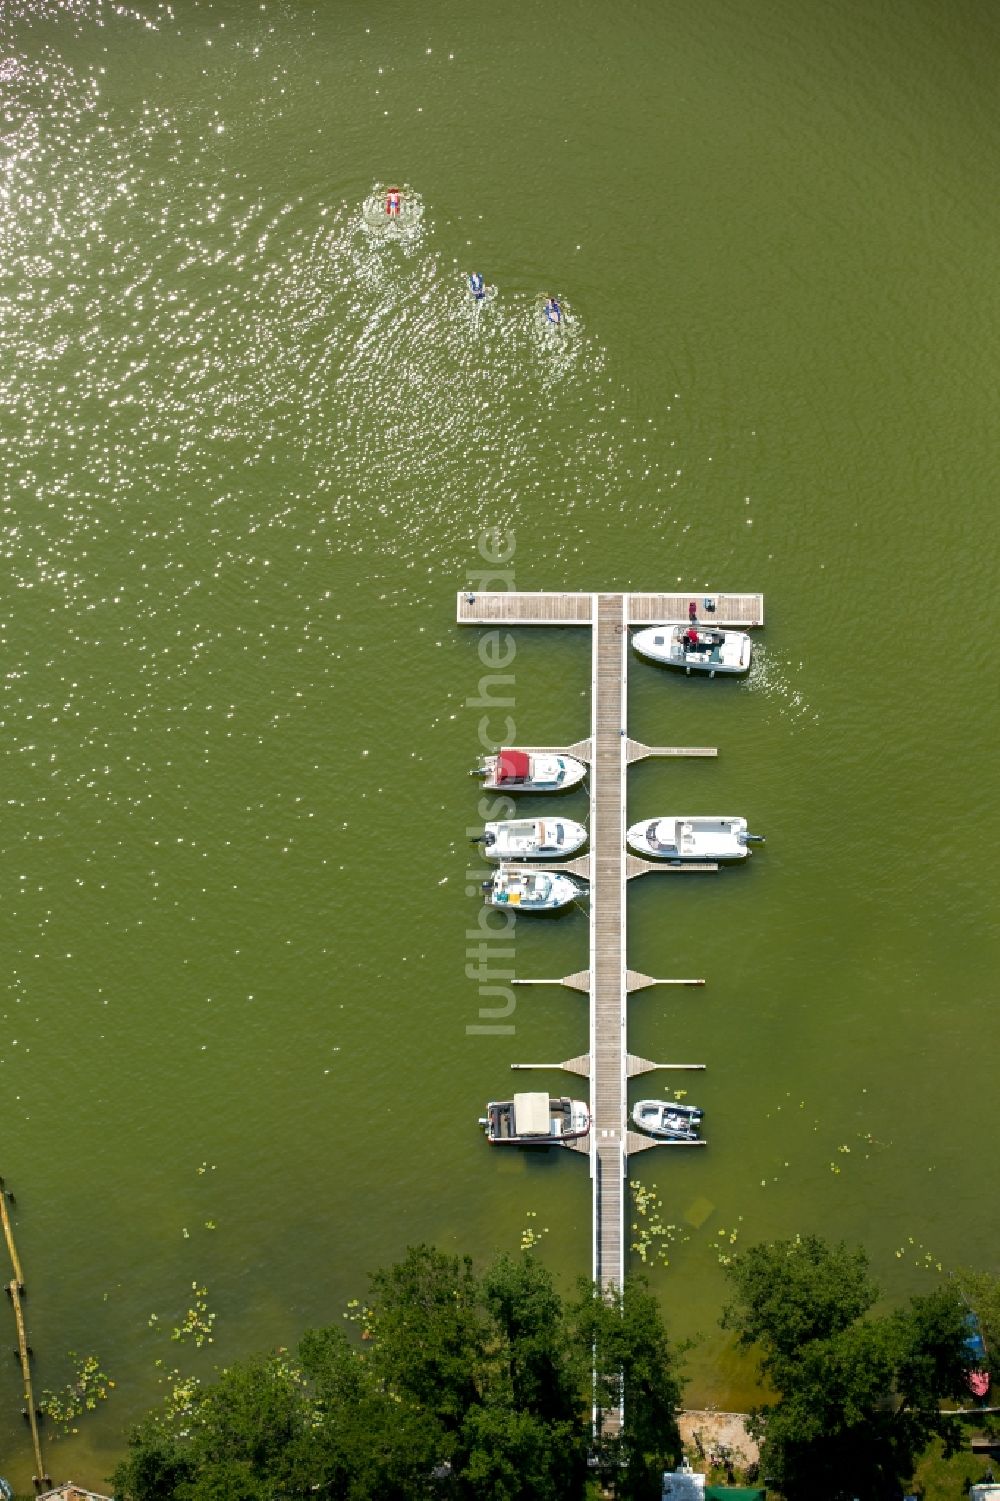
[[451, 1382]]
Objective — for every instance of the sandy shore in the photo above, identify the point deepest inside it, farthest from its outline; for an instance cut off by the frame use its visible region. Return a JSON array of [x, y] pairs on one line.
[[717, 1431]]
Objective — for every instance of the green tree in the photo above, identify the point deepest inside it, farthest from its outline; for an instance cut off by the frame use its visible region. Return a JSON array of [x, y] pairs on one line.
[[367, 1440], [463, 1388], [427, 1328], [794, 1291], [543, 1368], [635, 1367], [859, 1395], [981, 1291], [237, 1439]]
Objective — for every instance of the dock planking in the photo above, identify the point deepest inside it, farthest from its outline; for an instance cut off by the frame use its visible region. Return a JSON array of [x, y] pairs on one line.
[[513, 607]]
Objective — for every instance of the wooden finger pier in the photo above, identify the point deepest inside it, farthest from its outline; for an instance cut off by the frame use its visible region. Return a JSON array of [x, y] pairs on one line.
[[608, 1065]]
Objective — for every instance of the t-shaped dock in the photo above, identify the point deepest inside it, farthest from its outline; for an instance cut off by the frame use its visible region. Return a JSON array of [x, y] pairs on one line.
[[609, 1065]]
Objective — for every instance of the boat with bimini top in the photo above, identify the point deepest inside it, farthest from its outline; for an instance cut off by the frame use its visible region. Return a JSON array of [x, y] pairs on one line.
[[535, 1119], [531, 890], [693, 837], [532, 838], [530, 771], [668, 1119], [695, 648]]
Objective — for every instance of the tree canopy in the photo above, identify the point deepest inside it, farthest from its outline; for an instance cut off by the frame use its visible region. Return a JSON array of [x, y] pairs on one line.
[[463, 1387], [859, 1394]]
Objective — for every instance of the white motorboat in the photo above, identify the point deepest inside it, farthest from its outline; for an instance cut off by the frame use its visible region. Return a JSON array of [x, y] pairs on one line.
[[695, 648], [530, 771], [692, 837], [532, 839], [668, 1119], [535, 1120], [531, 890]]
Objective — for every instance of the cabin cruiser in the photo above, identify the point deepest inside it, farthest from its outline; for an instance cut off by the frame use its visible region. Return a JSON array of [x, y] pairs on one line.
[[693, 838], [695, 648], [536, 1119], [531, 890], [668, 1119], [532, 839], [530, 771]]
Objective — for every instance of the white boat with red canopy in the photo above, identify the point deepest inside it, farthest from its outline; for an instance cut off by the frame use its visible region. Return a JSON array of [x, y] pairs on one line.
[[532, 1119], [530, 771], [532, 839]]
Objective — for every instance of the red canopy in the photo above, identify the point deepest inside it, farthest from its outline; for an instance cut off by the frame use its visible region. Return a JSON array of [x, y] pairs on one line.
[[512, 766]]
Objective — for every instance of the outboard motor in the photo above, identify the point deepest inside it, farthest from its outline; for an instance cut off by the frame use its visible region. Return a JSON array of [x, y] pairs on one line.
[[752, 839]]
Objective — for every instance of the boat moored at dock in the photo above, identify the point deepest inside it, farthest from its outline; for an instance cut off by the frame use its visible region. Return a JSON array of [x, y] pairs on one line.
[[532, 839], [695, 648], [668, 1119], [531, 890], [693, 837], [530, 771], [535, 1119]]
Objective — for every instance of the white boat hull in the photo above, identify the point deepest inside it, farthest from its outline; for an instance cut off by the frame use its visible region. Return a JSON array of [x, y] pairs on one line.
[[668, 1120], [535, 1119], [696, 648], [531, 891], [533, 839], [691, 837]]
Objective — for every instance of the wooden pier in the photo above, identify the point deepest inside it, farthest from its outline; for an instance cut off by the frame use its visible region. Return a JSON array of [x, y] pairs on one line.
[[732, 611], [608, 1064], [15, 1292]]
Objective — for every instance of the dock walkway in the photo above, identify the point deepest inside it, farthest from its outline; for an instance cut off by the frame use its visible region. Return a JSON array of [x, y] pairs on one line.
[[609, 1065]]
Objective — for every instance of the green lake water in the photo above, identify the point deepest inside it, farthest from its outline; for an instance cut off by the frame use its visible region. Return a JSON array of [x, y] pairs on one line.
[[246, 449]]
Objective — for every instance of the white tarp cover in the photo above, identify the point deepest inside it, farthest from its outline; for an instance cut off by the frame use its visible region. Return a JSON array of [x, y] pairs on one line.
[[531, 1114], [683, 1485]]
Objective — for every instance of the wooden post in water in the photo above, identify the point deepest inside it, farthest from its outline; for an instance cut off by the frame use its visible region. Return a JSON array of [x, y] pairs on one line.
[[14, 1290], [29, 1396], [15, 1260]]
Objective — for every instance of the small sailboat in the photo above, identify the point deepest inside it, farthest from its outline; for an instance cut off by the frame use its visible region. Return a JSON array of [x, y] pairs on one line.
[[693, 837], [668, 1119], [695, 648], [530, 771], [531, 890], [535, 1120], [532, 839]]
